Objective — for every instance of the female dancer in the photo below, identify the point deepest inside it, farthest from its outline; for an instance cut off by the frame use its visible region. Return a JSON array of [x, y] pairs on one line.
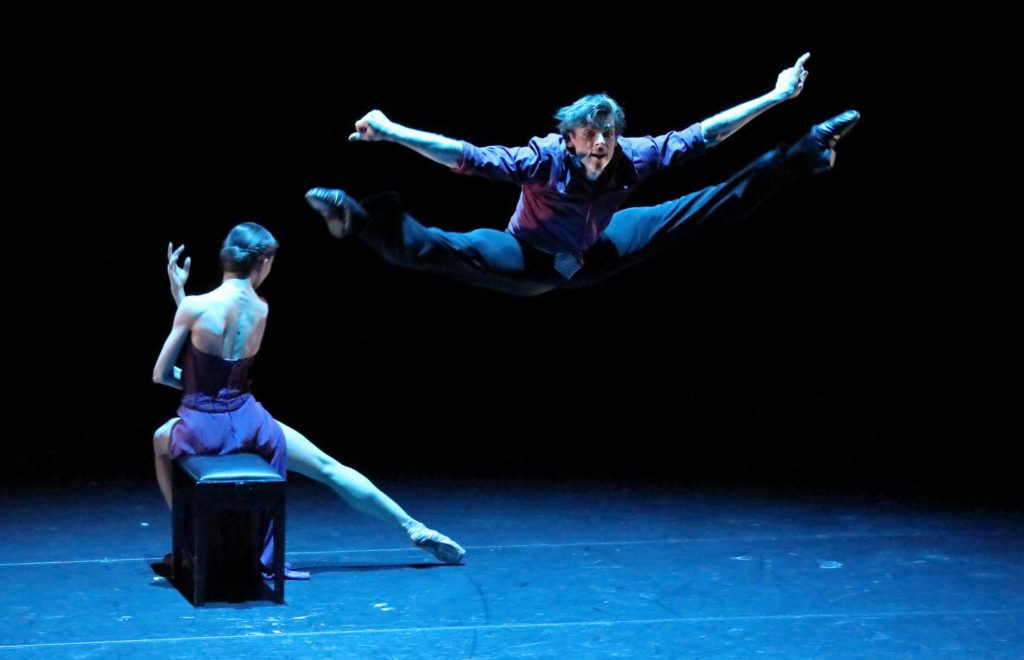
[[221, 333]]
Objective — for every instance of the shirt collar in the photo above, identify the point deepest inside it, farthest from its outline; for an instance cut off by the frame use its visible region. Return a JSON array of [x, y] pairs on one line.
[[619, 173]]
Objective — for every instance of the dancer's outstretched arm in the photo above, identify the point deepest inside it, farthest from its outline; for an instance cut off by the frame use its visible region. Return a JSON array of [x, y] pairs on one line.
[[376, 127], [788, 86]]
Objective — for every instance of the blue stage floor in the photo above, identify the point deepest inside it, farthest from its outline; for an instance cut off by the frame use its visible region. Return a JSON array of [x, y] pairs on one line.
[[575, 570]]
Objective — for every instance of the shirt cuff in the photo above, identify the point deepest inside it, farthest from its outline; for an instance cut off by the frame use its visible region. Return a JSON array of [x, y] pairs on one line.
[[464, 166], [694, 138]]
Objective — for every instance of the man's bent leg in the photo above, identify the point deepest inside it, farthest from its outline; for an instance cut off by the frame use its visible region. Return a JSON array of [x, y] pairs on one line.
[[482, 257]]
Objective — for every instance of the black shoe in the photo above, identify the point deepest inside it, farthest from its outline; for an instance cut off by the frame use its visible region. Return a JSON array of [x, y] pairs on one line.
[[816, 149], [340, 211]]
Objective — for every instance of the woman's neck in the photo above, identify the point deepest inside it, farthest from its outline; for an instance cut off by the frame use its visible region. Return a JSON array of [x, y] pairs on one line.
[[238, 282]]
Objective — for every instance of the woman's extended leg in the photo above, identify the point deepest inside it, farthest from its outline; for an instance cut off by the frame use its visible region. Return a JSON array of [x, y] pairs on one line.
[[359, 492]]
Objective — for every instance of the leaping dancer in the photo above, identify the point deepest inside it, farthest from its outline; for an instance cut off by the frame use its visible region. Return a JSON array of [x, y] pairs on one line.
[[568, 229]]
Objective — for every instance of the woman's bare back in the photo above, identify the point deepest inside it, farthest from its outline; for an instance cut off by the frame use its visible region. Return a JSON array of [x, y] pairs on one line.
[[230, 321]]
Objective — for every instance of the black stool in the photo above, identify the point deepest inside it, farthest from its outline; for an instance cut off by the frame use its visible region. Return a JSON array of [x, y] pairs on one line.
[[222, 505]]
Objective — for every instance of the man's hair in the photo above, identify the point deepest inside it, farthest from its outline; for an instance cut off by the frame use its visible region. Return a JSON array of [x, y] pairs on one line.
[[245, 247], [585, 111]]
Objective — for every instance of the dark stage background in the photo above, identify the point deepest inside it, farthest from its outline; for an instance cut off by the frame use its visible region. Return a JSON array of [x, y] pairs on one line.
[[858, 333]]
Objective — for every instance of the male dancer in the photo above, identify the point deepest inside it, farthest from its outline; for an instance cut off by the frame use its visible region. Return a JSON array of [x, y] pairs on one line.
[[567, 229]]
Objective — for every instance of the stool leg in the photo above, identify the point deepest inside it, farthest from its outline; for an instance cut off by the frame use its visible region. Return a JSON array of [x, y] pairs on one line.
[[256, 540], [199, 561], [177, 534], [278, 521]]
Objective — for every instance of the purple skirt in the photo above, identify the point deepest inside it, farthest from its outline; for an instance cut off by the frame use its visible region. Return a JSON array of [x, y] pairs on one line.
[[214, 426]]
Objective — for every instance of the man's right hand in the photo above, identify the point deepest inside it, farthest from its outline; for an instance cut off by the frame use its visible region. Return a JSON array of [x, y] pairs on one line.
[[373, 127]]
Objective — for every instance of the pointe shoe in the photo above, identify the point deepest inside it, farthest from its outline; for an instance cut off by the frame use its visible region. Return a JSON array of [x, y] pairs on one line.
[[816, 150], [338, 209], [436, 544]]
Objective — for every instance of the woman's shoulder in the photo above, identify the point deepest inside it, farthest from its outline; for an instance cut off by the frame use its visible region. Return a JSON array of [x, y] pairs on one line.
[[195, 304]]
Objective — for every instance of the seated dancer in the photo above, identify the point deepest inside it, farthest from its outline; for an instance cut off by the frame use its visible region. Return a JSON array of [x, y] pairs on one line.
[[221, 333], [567, 230]]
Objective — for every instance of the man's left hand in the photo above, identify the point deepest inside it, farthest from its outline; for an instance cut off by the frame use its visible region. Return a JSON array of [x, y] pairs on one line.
[[791, 81]]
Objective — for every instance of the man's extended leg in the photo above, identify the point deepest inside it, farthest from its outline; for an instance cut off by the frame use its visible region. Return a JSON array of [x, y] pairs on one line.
[[636, 234]]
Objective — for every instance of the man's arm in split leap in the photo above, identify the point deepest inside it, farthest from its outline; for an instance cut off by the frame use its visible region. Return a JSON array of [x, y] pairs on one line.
[[376, 127], [788, 86]]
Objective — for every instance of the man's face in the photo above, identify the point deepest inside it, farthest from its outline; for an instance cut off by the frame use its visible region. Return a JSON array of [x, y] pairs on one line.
[[594, 145]]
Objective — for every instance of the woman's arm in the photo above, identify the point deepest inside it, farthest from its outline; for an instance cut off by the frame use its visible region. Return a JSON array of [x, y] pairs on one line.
[[164, 371]]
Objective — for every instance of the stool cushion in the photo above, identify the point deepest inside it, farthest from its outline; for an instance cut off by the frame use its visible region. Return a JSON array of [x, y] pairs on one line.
[[229, 467]]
